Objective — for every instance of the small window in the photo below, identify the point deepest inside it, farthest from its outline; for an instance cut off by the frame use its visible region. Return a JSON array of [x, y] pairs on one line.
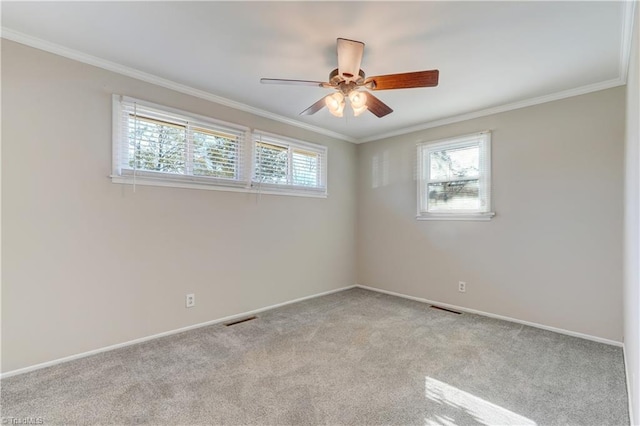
[[454, 178], [286, 165], [160, 146]]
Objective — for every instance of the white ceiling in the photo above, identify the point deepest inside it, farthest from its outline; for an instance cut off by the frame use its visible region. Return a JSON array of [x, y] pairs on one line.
[[491, 55]]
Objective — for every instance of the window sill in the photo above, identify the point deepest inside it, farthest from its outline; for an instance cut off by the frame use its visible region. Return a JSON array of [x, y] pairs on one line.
[[187, 183], [486, 216]]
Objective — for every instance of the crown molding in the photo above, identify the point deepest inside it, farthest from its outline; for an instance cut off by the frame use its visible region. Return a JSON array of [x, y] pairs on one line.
[[501, 108], [626, 38], [76, 55], [623, 67]]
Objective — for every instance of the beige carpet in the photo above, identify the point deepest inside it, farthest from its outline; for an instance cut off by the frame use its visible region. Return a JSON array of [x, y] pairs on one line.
[[354, 357]]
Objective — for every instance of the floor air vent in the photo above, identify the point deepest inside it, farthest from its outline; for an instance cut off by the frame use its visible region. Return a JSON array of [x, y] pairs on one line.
[[445, 309], [240, 321]]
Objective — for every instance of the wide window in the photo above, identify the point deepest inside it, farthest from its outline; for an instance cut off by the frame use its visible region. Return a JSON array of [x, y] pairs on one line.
[[158, 145], [454, 178], [282, 164]]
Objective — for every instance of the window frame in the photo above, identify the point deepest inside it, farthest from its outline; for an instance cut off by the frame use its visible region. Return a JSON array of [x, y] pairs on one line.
[[424, 151], [244, 181], [123, 173], [259, 136]]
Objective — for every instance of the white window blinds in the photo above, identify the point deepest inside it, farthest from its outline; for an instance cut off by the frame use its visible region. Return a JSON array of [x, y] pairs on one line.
[[288, 165], [162, 146], [156, 142]]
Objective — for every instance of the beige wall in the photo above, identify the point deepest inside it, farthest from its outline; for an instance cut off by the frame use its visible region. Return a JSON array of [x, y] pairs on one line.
[[553, 253], [632, 228], [87, 263]]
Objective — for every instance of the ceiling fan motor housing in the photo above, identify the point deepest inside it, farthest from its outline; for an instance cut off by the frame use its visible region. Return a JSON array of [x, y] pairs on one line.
[[335, 78]]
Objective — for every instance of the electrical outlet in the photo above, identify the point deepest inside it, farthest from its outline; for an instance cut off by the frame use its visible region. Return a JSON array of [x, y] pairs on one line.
[[462, 286], [191, 300]]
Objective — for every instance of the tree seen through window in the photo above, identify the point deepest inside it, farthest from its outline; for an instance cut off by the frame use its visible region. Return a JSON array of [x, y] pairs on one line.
[[160, 146]]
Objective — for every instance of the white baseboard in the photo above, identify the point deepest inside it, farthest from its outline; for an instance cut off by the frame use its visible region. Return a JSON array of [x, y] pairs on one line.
[[266, 308], [500, 317], [163, 334], [628, 381]]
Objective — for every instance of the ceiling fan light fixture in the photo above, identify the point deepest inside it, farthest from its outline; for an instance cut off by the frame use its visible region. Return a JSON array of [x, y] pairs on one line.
[[358, 99], [335, 103], [358, 110], [358, 102]]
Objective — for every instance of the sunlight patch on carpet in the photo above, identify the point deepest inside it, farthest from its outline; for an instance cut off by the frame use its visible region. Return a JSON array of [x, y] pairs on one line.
[[468, 407]]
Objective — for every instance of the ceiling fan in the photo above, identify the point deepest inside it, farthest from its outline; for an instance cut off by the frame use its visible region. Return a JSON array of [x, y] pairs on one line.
[[348, 78]]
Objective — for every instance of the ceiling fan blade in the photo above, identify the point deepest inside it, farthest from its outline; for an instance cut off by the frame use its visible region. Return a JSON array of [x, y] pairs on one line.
[[377, 107], [407, 80], [294, 82], [314, 108], [349, 58]]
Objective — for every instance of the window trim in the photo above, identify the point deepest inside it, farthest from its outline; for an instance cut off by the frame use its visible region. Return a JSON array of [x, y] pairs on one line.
[[242, 183], [483, 140]]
